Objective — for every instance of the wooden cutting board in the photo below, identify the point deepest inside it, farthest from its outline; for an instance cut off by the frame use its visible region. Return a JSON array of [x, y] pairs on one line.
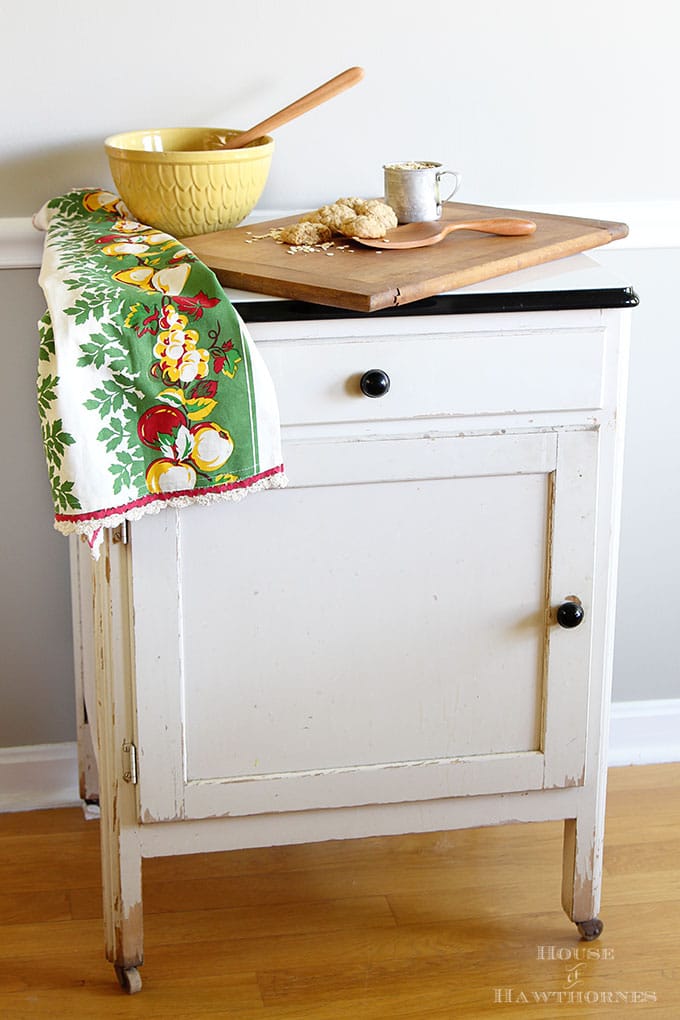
[[363, 279]]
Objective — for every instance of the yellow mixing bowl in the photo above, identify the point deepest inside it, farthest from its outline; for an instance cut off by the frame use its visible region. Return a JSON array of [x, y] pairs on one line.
[[181, 181]]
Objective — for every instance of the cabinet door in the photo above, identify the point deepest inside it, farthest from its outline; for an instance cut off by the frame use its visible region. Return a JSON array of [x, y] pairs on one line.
[[381, 631]]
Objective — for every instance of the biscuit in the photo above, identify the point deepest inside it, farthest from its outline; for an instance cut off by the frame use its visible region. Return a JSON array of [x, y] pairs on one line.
[[355, 217], [305, 232]]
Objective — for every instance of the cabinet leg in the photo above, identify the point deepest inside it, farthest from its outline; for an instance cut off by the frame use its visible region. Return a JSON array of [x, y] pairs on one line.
[[582, 874], [83, 644], [121, 861], [122, 901], [121, 856]]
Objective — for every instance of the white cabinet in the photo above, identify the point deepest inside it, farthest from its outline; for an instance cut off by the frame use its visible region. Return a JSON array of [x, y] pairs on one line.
[[416, 634], [375, 636]]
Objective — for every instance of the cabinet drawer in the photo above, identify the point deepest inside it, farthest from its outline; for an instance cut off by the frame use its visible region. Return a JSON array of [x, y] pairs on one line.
[[435, 376]]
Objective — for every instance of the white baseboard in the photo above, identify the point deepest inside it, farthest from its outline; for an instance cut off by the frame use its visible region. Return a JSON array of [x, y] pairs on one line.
[[46, 775], [644, 732], [39, 776]]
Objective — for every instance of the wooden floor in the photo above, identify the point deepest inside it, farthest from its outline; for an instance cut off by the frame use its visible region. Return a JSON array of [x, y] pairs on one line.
[[463, 924]]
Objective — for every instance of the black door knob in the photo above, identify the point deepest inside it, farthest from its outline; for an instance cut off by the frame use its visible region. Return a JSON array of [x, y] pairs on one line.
[[374, 383], [570, 614]]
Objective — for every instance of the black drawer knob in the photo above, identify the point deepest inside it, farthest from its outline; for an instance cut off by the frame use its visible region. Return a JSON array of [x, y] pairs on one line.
[[374, 383], [570, 614]]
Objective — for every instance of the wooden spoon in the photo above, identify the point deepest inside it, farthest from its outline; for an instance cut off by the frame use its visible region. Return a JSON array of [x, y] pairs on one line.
[[419, 235], [326, 91]]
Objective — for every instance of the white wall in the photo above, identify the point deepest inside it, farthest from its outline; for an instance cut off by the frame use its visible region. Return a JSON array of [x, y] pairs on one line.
[[538, 103], [535, 101]]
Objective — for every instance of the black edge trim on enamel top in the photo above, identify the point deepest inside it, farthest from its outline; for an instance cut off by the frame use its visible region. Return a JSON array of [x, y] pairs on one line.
[[445, 304]]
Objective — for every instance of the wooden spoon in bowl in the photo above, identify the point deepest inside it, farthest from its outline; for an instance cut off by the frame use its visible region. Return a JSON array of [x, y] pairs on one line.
[[326, 91], [419, 235]]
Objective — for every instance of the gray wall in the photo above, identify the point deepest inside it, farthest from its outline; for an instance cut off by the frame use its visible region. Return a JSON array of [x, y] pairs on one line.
[[647, 664], [36, 664], [538, 104]]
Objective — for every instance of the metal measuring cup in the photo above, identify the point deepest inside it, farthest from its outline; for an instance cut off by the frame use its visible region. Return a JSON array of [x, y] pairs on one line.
[[412, 189]]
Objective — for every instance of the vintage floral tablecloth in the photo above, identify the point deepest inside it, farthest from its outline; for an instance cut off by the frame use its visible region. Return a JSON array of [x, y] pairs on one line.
[[150, 391]]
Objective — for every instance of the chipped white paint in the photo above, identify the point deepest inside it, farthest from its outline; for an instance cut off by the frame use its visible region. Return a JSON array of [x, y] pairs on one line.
[[374, 650], [120, 842], [455, 376], [82, 614]]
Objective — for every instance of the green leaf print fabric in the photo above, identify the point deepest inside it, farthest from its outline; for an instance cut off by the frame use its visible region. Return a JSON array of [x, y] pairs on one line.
[[150, 391]]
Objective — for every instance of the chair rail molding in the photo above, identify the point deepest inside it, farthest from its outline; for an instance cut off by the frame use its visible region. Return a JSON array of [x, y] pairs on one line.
[[21, 243], [652, 224]]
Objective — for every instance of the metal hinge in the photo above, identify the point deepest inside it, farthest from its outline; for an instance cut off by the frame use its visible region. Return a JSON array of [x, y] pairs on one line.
[[120, 534], [129, 762]]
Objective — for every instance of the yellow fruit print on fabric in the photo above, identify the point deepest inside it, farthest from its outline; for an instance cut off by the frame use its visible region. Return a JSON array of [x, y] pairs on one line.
[[190, 453], [163, 348], [181, 359]]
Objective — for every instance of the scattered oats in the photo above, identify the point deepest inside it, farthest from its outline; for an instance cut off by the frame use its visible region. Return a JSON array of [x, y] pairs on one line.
[[408, 166], [321, 247], [274, 233]]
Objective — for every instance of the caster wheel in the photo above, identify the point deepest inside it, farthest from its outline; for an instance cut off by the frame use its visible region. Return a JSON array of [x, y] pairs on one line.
[[129, 979], [590, 930]]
